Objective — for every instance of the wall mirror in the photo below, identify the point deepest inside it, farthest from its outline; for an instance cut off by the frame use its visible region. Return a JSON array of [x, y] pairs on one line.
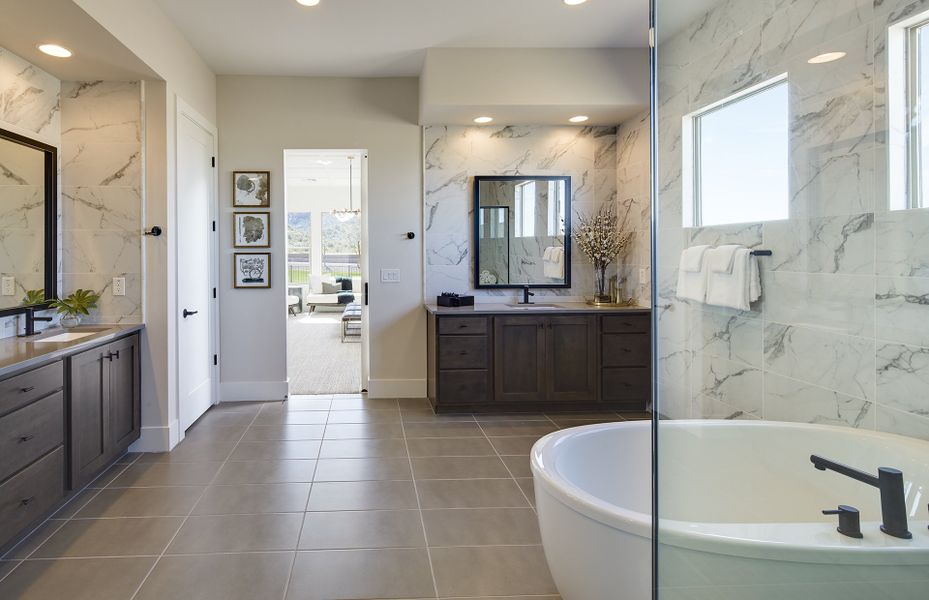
[[28, 223], [522, 232]]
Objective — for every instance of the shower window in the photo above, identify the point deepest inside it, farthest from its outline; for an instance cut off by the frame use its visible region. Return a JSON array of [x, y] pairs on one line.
[[918, 105], [737, 158]]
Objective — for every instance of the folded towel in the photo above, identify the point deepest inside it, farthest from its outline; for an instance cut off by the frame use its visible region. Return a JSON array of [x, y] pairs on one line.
[[738, 288], [692, 259], [720, 260], [553, 262]]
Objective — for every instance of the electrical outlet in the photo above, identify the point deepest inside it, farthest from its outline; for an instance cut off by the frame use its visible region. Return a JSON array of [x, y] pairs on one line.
[[8, 286], [119, 286], [390, 275]]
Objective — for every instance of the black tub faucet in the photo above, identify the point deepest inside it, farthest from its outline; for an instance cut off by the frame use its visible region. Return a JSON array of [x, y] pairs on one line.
[[893, 498]]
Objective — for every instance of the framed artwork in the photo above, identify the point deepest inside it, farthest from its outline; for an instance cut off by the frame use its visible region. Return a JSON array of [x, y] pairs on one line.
[[251, 188], [251, 230], [252, 269]]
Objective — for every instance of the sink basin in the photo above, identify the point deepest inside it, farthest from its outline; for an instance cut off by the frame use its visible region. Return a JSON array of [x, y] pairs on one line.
[[69, 336], [533, 306]]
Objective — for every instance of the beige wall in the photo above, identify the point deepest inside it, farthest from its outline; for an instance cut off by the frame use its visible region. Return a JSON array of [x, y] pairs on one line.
[[260, 117]]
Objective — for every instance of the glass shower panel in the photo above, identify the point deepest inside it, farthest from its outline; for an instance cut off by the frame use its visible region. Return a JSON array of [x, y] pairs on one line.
[[810, 336]]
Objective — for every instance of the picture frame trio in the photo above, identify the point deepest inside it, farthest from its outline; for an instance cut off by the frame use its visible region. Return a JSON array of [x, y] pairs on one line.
[[251, 189]]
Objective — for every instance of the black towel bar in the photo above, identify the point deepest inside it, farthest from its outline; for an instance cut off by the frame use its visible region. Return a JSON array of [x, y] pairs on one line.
[[762, 253]]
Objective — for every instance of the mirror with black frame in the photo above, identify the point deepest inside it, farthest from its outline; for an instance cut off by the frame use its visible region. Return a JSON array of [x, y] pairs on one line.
[[28, 223], [522, 232]]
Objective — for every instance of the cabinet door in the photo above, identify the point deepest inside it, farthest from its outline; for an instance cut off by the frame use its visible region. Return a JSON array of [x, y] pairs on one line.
[[572, 358], [519, 359], [88, 390], [124, 401]]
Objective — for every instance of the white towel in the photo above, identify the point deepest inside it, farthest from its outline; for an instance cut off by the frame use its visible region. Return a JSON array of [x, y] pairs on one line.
[[553, 262], [691, 276], [738, 288], [721, 259]]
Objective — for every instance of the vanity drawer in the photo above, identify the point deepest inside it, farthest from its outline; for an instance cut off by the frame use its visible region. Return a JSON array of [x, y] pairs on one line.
[[463, 325], [626, 324], [626, 385], [30, 432], [22, 389], [464, 352], [30, 494], [626, 350], [464, 387]]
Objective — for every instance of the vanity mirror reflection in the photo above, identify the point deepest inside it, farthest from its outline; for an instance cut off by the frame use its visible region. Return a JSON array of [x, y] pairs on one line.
[[522, 232], [28, 223]]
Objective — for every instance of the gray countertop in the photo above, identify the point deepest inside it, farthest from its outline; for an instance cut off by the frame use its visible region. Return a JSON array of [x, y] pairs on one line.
[[545, 308], [18, 354]]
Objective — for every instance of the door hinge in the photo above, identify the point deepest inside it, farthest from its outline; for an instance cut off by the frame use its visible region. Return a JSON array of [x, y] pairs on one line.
[[213, 161], [215, 360], [214, 225], [214, 293]]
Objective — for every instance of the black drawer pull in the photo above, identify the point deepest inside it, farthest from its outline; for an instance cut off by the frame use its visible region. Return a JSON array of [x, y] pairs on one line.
[[26, 390], [25, 438], [463, 326], [463, 353], [27, 501], [111, 355]]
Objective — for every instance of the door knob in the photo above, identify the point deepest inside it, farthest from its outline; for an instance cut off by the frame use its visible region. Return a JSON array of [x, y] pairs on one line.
[[188, 313]]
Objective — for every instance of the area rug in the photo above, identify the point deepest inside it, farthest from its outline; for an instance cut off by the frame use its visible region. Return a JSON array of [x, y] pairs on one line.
[[318, 362]]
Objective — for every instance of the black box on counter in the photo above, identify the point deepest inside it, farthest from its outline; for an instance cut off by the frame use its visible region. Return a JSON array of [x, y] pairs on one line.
[[454, 300]]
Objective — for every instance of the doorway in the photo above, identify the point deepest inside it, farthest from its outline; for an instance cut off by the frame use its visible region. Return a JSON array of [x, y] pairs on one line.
[[196, 267], [325, 198]]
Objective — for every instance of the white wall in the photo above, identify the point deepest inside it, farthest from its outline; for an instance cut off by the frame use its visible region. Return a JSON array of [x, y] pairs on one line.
[[260, 117]]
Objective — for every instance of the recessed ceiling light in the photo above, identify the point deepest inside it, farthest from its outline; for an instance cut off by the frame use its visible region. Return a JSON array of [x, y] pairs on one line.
[[828, 57], [574, 2], [483, 120], [579, 119], [55, 50], [308, 2]]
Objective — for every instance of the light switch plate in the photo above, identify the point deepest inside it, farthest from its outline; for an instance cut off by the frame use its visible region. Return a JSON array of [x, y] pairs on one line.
[[390, 275], [8, 286], [119, 286]]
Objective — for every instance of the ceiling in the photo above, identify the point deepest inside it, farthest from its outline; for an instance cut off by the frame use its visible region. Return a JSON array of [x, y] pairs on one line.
[[388, 38]]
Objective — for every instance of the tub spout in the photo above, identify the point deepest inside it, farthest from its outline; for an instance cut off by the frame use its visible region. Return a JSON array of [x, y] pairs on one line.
[[890, 483]]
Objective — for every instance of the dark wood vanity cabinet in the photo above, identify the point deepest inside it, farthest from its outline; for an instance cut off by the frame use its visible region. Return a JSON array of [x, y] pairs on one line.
[[529, 362], [105, 406]]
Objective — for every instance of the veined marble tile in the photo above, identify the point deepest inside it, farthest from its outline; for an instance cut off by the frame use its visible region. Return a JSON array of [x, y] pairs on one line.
[[674, 322], [447, 214], [837, 362], [902, 423], [902, 312], [842, 304], [29, 97], [20, 165], [727, 336], [102, 165], [825, 245], [903, 378], [903, 243], [23, 207], [102, 208], [674, 401], [707, 407], [101, 251], [111, 309], [101, 112], [749, 235], [797, 402], [734, 383], [22, 251], [857, 68]]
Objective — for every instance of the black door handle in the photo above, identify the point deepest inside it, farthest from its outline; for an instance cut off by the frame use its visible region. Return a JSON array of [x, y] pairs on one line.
[[188, 313]]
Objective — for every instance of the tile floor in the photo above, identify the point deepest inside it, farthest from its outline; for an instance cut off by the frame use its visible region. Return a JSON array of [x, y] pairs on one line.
[[317, 498]]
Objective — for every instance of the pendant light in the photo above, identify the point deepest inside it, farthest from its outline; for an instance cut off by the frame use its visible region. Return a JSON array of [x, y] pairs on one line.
[[346, 214]]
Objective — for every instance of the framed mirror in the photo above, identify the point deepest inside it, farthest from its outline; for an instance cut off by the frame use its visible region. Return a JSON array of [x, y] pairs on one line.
[[522, 232], [28, 223]]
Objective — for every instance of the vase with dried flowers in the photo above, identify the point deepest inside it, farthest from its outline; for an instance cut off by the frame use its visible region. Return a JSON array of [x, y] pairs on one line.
[[602, 240]]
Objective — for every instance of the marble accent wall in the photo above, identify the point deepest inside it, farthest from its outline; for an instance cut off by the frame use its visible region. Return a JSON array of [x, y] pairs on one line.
[[455, 154], [633, 203], [101, 197], [841, 334]]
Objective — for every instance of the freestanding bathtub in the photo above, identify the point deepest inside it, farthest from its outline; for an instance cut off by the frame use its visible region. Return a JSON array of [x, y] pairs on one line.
[[740, 507]]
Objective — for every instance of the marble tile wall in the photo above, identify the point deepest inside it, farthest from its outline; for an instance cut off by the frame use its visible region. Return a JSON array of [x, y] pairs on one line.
[[633, 202], [101, 196], [455, 154], [841, 334]]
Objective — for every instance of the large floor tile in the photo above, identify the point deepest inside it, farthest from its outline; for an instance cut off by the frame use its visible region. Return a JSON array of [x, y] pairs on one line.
[[362, 431], [481, 527], [363, 469], [450, 447], [142, 502], [470, 493], [237, 533], [276, 433], [362, 529], [34, 539], [374, 415], [492, 571], [162, 474], [266, 471], [340, 403], [514, 445], [219, 577], [76, 503], [193, 451], [362, 495], [476, 467], [518, 466], [293, 450], [361, 574], [253, 499], [362, 448], [76, 579], [455, 429], [502, 428], [307, 403], [110, 537], [299, 417], [527, 485]]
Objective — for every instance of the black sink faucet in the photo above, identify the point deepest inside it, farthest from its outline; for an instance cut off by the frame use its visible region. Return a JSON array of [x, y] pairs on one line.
[[889, 482], [526, 295], [30, 322]]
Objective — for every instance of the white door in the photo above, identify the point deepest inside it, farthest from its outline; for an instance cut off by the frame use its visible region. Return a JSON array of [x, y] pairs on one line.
[[194, 284]]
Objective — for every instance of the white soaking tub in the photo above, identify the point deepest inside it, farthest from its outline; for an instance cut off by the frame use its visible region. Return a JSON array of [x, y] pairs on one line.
[[740, 512]]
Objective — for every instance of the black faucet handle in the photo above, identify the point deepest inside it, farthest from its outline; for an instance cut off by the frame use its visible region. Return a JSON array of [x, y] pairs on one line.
[[849, 520]]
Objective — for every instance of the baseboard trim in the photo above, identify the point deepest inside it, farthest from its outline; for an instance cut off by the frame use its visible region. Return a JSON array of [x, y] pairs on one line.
[[156, 439], [252, 391], [397, 388]]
